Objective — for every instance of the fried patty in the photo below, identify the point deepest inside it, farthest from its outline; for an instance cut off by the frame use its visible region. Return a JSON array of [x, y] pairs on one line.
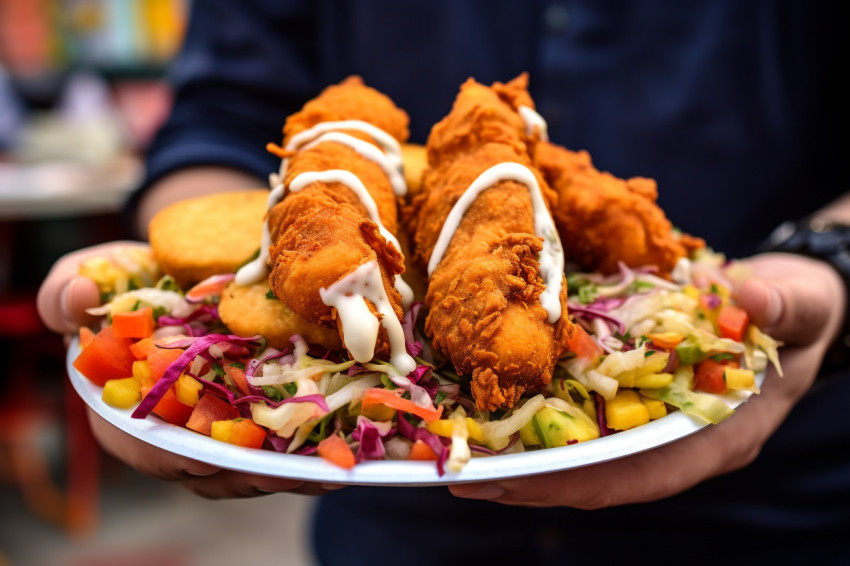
[[199, 237]]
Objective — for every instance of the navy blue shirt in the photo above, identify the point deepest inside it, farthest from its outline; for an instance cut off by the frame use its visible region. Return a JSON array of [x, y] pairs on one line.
[[731, 105]]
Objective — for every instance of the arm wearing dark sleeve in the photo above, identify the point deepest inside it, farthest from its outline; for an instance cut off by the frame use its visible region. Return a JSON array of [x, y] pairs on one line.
[[243, 68]]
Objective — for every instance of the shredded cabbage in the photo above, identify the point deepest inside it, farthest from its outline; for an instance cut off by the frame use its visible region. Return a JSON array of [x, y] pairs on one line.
[[702, 406]]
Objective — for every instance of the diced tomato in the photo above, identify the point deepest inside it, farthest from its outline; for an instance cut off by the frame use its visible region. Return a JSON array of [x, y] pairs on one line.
[[237, 376], [247, 433], [210, 408], [583, 345], [106, 357], [336, 451], [170, 409], [160, 359], [209, 287], [134, 324], [732, 321], [86, 336], [143, 348], [708, 375], [421, 451], [386, 397]]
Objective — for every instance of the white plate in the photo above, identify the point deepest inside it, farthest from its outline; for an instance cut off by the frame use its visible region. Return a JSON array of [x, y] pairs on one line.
[[187, 443]]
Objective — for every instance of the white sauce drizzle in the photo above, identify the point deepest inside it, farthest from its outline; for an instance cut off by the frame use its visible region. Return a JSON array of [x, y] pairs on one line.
[[347, 295], [360, 325], [351, 181], [257, 269], [551, 257], [388, 144], [367, 151], [533, 121]]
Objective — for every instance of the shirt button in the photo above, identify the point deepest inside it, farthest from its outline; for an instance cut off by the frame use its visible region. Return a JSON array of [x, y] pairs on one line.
[[557, 17]]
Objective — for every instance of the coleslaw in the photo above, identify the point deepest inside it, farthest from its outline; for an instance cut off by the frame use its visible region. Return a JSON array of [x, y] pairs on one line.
[[642, 346]]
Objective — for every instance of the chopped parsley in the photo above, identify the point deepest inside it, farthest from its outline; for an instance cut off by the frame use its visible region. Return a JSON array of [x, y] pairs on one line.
[[272, 393], [219, 371], [583, 287]]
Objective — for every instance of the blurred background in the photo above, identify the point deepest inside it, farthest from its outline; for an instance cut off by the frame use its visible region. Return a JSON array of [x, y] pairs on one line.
[[82, 91]]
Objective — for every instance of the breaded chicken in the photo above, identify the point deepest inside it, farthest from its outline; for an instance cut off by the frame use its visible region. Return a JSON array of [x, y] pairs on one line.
[[324, 231], [196, 238], [485, 313], [480, 114], [604, 220]]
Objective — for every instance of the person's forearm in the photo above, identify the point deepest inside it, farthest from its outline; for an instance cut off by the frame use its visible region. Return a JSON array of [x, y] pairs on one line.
[[188, 183]]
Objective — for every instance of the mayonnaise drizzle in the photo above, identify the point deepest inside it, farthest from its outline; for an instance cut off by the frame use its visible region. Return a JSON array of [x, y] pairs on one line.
[[533, 121], [351, 181], [258, 268], [389, 160], [389, 145], [551, 258], [348, 295], [360, 326], [367, 151]]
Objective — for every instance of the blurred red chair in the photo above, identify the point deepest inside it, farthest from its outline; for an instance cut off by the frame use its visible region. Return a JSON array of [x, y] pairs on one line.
[[26, 412]]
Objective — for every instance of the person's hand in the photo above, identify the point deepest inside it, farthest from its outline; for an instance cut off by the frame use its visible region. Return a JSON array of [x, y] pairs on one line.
[[63, 299], [64, 295], [201, 478], [799, 301]]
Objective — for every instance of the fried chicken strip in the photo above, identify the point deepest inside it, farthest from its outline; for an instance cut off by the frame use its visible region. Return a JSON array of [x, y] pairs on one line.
[[484, 295], [607, 220], [339, 214], [602, 219]]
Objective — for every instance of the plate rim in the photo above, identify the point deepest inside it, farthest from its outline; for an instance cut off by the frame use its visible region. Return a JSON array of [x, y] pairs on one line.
[[190, 444]]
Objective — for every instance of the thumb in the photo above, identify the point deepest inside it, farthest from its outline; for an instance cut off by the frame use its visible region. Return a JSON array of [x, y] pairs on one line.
[[793, 310], [62, 304]]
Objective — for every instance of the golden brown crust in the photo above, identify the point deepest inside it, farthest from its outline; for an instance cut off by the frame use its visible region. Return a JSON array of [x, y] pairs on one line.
[[604, 220], [323, 232], [350, 100], [485, 314], [247, 311], [199, 237]]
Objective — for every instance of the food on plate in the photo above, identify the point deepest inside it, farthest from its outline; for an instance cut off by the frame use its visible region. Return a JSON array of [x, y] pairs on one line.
[[518, 359], [329, 249], [608, 220], [482, 226], [415, 161], [225, 236], [248, 310]]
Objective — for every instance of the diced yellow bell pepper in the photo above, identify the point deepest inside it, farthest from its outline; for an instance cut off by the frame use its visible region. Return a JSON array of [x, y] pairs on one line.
[[122, 393], [653, 363], [378, 412], [740, 379], [187, 390], [691, 292], [589, 407], [656, 407], [102, 272], [142, 370], [221, 430], [626, 411], [444, 427], [654, 380]]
